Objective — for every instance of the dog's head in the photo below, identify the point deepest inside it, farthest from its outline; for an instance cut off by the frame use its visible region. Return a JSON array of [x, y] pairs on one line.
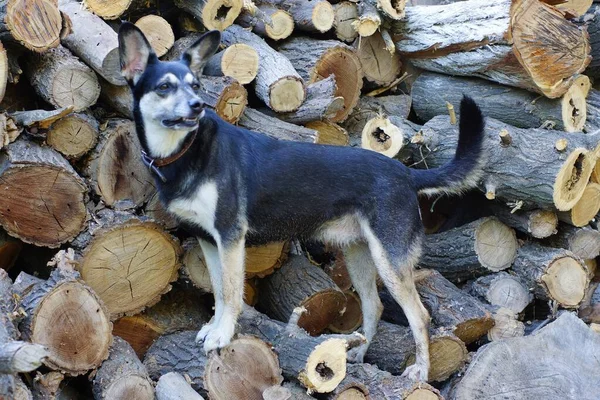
[[166, 94]]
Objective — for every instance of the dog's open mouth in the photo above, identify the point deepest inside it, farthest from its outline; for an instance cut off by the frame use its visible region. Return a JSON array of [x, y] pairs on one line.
[[181, 122]]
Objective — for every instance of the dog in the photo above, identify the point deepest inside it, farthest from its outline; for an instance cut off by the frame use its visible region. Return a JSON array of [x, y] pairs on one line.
[[231, 187]]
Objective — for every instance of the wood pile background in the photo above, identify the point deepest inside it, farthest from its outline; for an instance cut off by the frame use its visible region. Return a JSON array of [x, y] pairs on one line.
[[101, 295]]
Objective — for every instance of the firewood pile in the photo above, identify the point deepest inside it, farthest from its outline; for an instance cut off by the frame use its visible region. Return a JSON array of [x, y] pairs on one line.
[[101, 295]]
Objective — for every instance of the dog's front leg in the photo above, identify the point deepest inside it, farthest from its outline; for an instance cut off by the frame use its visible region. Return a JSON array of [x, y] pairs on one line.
[[228, 288], [213, 264]]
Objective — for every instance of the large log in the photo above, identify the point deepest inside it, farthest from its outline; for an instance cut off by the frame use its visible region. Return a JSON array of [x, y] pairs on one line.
[[298, 283], [36, 24], [122, 376], [557, 347], [515, 158], [65, 315], [539, 224], [238, 61], [523, 43], [42, 198], [256, 121], [379, 65], [586, 208], [309, 16], [431, 92], [158, 32], [74, 135], [173, 386], [502, 290], [214, 14], [317, 59], [278, 84], [93, 41], [478, 248], [129, 262], [552, 274], [156, 211]]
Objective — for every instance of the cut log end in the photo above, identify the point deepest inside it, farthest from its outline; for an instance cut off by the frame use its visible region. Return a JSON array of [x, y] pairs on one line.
[[108, 9], [447, 354], [34, 23], [325, 367], [321, 309], [509, 293], [496, 245], [346, 13], [586, 208], [566, 280], [572, 179], [380, 135], [351, 319], [542, 223], [240, 61], [73, 135], [378, 64], [219, 14], [506, 325], [393, 9], [232, 102], [329, 133], [367, 26], [574, 106], [158, 32], [286, 94], [323, 16], [263, 260]]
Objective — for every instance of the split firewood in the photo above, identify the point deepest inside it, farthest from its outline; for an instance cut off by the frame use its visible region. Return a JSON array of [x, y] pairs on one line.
[[520, 44], [318, 363], [572, 8], [317, 59], [321, 104], [559, 341], [158, 32], [379, 65], [9, 131], [214, 14], [178, 310], [10, 248], [108, 9], [298, 283], [346, 12], [393, 349], [478, 248], [278, 84], [225, 95], [227, 375], [74, 135], [129, 262], [65, 315], [84, 41], [502, 290], [517, 107], [552, 274], [329, 133], [309, 16], [42, 198], [539, 224], [274, 127], [583, 242], [115, 168], [238, 61], [155, 210], [35, 120], [350, 319], [35, 24], [173, 386], [122, 375], [118, 98], [560, 176], [267, 21], [506, 325], [449, 307], [397, 106], [586, 208], [47, 386]]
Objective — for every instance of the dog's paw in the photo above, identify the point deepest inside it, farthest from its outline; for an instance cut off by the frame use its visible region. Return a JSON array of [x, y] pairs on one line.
[[357, 354], [206, 329], [218, 337], [416, 372]]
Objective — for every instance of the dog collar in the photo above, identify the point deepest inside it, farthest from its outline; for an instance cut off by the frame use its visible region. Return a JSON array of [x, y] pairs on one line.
[[153, 164]]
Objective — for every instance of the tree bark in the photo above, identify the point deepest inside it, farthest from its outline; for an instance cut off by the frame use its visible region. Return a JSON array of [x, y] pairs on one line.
[[173, 386], [583, 242], [258, 122], [539, 224]]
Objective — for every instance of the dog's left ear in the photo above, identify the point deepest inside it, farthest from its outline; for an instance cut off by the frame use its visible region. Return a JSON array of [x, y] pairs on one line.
[[135, 52], [198, 54]]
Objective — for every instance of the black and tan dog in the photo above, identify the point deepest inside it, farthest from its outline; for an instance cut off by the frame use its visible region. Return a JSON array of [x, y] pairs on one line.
[[231, 187]]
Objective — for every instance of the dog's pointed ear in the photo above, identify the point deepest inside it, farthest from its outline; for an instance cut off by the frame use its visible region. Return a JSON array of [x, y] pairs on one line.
[[134, 51], [198, 54]]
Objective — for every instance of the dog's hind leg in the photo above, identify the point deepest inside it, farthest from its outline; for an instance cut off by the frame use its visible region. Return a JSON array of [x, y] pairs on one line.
[[363, 274]]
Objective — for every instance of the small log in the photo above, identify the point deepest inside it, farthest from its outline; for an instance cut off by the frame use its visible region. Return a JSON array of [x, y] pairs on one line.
[[66, 316], [370, 107], [583, 242], [298, 283], [122, 375], [560, 177], [379, 65], [309, 16], [42, 199], [35, 24], [238, 61], [158, 32], [478, 248], [62, 80], [382, 136], [521, 44], [506, 325], [194, 266], [267, 21], [156, 211], [552, 274], [10, 248], [225, 95], [516, 107], [346, 13], [539, 224], [318, 363], [74, 135], [393, 349], [369, 19], [178, 310], [118, 98], [329, 133], [93, 41], [173, 386], [114, 167], [108, 9], [129, 262], [278, 84], [351, 318], [586, 208], [502, 290], [258, 122], [561, 340], [317, 59], [214, 14]]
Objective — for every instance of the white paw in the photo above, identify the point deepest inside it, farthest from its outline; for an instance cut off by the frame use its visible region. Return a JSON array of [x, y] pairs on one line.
[[206, 329], [416, 372], [357, 354], [218, 337]]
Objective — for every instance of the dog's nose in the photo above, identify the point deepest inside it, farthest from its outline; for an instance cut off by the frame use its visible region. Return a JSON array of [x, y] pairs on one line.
[[196, 105]]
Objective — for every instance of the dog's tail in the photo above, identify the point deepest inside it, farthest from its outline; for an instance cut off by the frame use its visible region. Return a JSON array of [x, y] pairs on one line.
[[462, 172]]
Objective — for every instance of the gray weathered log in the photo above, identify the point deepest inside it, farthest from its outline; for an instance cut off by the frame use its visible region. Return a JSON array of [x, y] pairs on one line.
[[502, 290], [583, 242], [173, 386], [275, 128], [539, 224]]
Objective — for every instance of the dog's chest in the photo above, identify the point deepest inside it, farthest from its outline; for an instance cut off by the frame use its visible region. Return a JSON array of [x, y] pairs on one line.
[[200, 209]]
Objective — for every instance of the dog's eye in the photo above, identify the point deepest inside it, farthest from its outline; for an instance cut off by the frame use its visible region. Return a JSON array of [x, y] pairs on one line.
[[195, 86], [163, 86]]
